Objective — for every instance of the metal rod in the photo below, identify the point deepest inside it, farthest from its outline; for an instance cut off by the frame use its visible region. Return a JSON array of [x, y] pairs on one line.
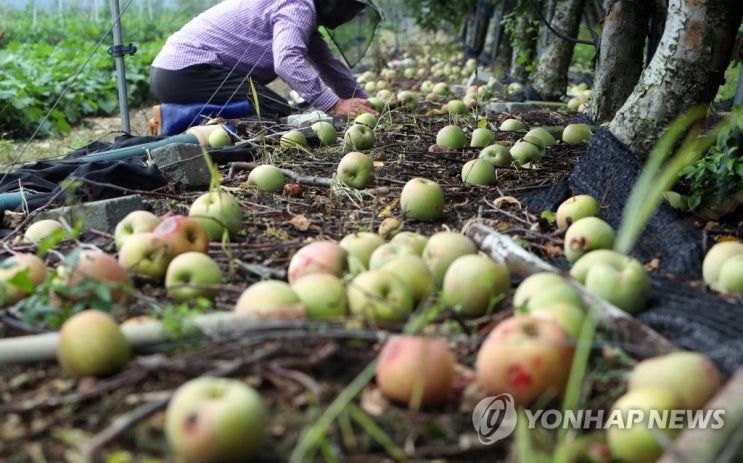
[[120, 68]]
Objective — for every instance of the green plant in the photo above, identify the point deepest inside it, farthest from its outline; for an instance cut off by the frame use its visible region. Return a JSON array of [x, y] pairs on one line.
[[714, 180]]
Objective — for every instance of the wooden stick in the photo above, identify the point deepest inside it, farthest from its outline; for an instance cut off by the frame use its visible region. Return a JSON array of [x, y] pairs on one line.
[[39, 347], [523, 263]]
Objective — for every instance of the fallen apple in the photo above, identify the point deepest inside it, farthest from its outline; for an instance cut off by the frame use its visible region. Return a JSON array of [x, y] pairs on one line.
[[730, 278], [379, 295], [360, 246], [407, 99], [414, 272], [636, 440], [367, 119], [587, 234], [482, 137], [569, 316], [692, 376], [386, 252], [523, 152], [293, 140], [511, 125], [218, 212], [527, 357], [219, 137], [182, 233], [544, 288], [323, 295], [474, 285], [138, 221], [215, 420], [457, 107], [451, 136], [716, 257], [267, 178], [145, 255], [543, 135], [478, 172], [266, 298], [496, 154], [442, 248], [85, 265], [411, 238], [325, 132], [19, 275], [91, 343], [441, 89], [416, 371], [422, 199], [359, 137], [576, 133], [323, 256], [576, 207], [41, 229], [355, 170], [191, 275]]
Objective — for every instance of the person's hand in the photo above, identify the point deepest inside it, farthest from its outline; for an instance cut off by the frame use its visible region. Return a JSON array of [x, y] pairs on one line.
[[352, 107]]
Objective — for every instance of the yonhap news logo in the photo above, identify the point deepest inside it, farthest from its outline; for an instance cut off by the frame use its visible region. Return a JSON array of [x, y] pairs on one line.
[[494, 418]]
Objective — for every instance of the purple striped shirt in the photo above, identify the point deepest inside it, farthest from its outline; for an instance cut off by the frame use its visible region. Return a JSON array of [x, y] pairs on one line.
[[266, 39]]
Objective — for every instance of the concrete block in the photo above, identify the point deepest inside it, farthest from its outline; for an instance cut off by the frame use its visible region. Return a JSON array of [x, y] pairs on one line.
[[182, 163], [99, 215]]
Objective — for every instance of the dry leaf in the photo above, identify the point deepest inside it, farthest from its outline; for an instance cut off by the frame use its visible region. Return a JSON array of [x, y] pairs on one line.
[[300, 222], [507, 201]]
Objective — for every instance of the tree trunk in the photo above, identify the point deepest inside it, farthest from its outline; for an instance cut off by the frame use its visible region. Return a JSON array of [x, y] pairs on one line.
[[523, 41], [620, 57], [551, 75], [686, 70]]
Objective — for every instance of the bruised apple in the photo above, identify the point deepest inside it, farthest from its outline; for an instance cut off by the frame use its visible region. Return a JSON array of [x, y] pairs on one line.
[[324, 256], [215, 420], [587, 234], [19, 275], [183, 234], [93, 265], [416, 371], [526, 357], [574, 208], [91, 343]]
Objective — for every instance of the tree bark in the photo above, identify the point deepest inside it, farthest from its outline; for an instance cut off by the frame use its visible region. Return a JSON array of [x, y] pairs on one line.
[[620, 57], [551, 74], [686, 70], [523, 39]]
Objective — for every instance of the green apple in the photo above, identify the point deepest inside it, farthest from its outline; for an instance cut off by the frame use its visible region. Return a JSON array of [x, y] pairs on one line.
[[730, 278], [19, 275], [576, 207], [213, 420], [619, 279], [355, 170], [441, 89], [511, 125], [380, 295], [478, 172], [91, 343], [191, 275], [138, 221], [323, 295], [367, 119], [426, 86], [146, 254], [543, 135], [496, 154], [293, 140], [359, 137], [414, 272], [183, 234], [691, 375], [325, 132], [360, 246], [716, 257], [442, 248], [323, 256], [457, 107], [416, 371], [527, 357], [576, 133], [422, 199], [523, 152], [267, 178], [636, 442], [218, 212], [371, 87], [386, 252], [378, 103], [451, 136], [267, 298], [587, 234], [411, 238], [542, 289], [514, 88], [569, 316], [407, 99], [41, 229], [219, 137], [474, 285], [482, 137]]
